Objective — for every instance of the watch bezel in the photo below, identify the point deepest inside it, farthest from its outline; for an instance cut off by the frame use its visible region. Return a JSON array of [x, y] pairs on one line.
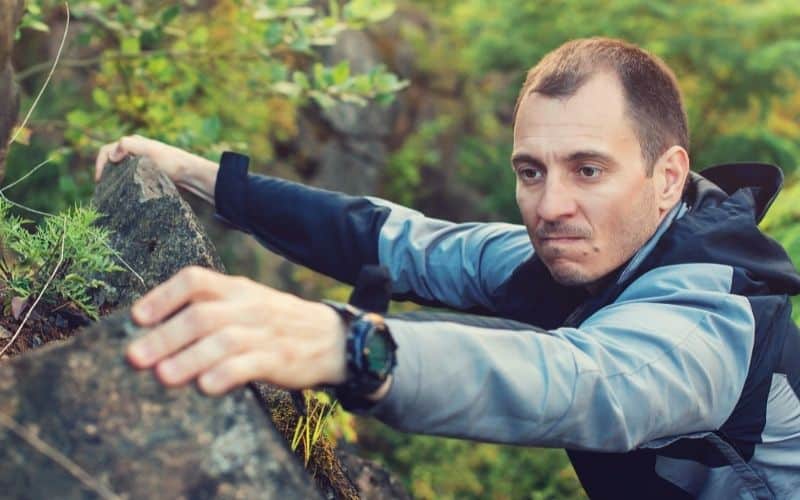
[[362, 327]]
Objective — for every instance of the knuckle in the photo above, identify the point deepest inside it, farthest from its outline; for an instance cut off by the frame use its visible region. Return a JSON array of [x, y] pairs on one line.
[[195, 316], [230, 339], [230, 372], [287, 354], [191, 275]]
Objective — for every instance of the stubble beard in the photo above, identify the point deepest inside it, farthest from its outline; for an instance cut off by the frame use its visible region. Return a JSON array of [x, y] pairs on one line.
[[630, 237]]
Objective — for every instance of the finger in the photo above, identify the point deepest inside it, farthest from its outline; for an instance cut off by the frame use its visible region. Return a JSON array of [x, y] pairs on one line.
[[120, 151], [102, 159], [288, 364], [203, 355], [190, 284], [193, 323], [238, 370]]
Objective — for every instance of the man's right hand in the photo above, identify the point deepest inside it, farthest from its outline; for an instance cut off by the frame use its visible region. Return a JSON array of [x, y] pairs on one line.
[[185, 169], [169, 159]]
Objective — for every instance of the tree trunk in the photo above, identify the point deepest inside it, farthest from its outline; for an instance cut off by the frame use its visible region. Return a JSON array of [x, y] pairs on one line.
[[10, 13]]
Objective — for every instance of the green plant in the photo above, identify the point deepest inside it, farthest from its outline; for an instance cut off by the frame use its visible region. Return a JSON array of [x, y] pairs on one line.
[[28, 258], [309, 428]]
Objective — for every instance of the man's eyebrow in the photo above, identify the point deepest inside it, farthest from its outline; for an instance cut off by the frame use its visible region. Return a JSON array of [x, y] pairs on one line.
[[575, 157], [526, 158], [590, 155]]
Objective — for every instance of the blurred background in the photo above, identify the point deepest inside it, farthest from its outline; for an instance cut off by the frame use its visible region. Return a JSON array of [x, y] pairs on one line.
[[408, 100]]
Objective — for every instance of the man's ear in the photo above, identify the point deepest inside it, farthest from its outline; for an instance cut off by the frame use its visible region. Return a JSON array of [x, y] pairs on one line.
[[669, 175]]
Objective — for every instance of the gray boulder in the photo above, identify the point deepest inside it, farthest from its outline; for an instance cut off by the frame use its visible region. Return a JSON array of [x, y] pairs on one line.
[[153, 229], [76, 421]]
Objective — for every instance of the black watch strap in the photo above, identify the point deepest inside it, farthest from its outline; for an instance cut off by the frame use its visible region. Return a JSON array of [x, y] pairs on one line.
[[367, 335]]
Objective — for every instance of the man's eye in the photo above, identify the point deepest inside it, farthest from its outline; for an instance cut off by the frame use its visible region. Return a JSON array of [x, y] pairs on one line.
[[529, 173], [589, 171]]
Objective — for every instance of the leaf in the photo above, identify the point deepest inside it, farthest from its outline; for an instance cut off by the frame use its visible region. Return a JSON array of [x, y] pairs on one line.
[[288, 89], [22, 135], [18, 305], [341, 72], [324, 100], [301, 79], [130, 45], [35, 25], [169, 14], [79, 118], [100, 97]]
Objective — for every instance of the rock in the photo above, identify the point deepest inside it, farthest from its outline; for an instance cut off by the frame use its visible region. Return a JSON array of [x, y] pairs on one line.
[[350, 153], [111, 431], [371, 480], [76, 421], [157, 233], [153, 228]]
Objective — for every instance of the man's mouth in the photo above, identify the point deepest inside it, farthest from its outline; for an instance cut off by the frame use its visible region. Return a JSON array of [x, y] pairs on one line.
[[557, 239]]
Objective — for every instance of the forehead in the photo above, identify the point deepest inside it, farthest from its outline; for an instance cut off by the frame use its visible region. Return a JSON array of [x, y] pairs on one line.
[[595, 116]]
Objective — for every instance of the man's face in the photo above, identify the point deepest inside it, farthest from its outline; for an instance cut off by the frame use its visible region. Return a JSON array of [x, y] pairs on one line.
[[582, 186]]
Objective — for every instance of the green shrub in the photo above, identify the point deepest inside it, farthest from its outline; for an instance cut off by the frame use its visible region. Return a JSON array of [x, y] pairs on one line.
[[27, 259]]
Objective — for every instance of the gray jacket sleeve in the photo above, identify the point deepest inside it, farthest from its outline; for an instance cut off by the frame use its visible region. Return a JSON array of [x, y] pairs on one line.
[[669, 357]]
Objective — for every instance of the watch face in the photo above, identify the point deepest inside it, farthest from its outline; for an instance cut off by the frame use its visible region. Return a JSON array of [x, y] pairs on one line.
[[377, 353]]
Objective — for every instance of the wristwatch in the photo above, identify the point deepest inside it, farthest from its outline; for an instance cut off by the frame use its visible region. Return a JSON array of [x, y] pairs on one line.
[[370, 353]]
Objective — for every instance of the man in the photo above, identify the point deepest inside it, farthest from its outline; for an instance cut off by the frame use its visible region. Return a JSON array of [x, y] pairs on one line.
[[665, 362]]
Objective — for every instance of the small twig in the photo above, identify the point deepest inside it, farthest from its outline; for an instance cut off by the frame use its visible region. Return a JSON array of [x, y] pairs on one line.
[[47, 80], [173, 54], [56, 456], [118, 256], [29, 209], [44, 288], [34, 169]]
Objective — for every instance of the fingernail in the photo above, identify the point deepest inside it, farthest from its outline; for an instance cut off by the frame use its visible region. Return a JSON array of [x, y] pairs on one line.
[[210, 383], [142, 311], [139, 352], [167, 371]]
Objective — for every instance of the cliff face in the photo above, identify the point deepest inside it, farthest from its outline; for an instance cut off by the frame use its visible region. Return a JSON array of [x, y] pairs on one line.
[[10, 13]]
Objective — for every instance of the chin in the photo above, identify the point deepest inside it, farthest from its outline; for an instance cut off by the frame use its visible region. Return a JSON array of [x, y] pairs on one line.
[[571, 275]]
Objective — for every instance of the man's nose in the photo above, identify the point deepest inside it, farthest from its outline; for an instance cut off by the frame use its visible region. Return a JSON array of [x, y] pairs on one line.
[[557, 201]]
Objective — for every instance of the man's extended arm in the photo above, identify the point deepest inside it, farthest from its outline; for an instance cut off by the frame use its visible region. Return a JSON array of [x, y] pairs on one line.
[[669, 357], [457, 265]]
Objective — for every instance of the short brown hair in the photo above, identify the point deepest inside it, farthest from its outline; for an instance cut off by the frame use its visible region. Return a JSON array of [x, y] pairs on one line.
[[650, 88]]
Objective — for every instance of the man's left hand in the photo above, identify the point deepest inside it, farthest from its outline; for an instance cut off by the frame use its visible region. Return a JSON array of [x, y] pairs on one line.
[[226, 331]]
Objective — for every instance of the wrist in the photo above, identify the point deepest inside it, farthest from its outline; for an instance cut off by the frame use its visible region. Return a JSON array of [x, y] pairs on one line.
[[369, 356], [197, 175], [335, 330]]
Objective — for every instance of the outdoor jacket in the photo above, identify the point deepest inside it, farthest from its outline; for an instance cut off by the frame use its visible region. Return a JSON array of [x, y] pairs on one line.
[[678, 379]]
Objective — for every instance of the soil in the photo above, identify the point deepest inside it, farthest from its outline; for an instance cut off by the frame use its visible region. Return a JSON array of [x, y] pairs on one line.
[[48, 323]]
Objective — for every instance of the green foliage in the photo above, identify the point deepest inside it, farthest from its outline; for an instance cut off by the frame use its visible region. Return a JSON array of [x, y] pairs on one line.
[[310, 428], [184, 74], [737, 65], [28, 259], [418, 152], [32, 19], [439, 468], [782, 222]]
